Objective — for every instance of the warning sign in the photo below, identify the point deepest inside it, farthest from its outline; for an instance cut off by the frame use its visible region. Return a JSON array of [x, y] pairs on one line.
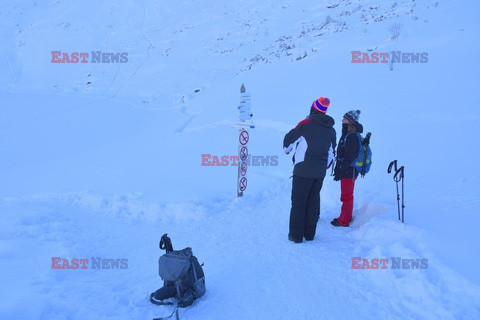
[[242, 184], [243, 168], [243, 153], [245, 121], [243, 137]]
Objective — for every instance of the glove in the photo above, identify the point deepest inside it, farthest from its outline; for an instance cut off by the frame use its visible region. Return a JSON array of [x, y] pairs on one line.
[[337, 177]]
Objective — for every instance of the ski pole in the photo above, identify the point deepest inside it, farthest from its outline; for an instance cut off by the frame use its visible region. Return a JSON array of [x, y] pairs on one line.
[[394, 165], [400, 175]]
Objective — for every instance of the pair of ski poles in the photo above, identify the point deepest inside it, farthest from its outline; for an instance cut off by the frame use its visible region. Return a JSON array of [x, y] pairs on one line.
[[397, 177]]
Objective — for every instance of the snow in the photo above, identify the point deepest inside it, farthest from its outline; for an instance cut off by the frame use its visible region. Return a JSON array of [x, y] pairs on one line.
[[100, 160]]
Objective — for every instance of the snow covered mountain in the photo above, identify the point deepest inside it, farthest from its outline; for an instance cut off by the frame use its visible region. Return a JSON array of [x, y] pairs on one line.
[[100, 158]]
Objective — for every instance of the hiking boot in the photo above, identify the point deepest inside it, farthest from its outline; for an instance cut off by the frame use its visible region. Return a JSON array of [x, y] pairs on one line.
[[335, 223], [293, 239]]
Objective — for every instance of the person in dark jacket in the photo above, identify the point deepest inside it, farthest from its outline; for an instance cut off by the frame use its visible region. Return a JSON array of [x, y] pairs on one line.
[[344, 171], [314, 140]]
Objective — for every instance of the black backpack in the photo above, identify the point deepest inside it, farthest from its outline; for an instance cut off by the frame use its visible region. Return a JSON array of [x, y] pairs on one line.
[[182, 274]]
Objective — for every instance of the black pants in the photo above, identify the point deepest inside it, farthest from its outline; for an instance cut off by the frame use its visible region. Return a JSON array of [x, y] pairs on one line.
[[305, 207]]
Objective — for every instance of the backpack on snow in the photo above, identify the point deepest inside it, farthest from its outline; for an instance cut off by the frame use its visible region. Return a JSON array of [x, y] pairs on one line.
[[363, 160], [182, 274]]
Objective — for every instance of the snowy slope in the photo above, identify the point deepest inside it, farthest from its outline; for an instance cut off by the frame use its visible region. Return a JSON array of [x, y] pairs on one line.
[[99, 160]]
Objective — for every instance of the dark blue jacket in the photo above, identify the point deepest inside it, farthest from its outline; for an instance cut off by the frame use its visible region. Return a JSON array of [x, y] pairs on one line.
[[347, 151], [314, 140]]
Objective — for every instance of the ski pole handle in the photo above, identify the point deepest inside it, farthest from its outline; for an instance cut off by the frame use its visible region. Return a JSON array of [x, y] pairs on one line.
[[392, 164], [399, 174]]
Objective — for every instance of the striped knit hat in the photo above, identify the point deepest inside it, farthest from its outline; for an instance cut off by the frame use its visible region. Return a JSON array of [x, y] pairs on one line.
[[321, 104]]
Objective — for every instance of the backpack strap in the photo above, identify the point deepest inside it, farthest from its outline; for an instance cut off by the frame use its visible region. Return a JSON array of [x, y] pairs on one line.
[[159, 303], [175, 311], [166, 243], [161, 294]]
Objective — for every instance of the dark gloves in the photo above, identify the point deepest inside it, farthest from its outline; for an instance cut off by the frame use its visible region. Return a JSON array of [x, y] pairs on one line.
[[337, 177], [340, 171]]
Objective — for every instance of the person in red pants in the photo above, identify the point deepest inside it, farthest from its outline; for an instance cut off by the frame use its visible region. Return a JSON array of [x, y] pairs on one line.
[[345, 172]]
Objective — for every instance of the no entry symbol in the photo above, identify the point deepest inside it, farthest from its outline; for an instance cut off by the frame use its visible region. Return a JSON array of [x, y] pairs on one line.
[[243, 153], [242, 184], [243, 137], [243, 168]]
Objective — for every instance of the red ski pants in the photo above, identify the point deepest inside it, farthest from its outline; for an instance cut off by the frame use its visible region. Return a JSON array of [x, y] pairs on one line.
[[346, 185]]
